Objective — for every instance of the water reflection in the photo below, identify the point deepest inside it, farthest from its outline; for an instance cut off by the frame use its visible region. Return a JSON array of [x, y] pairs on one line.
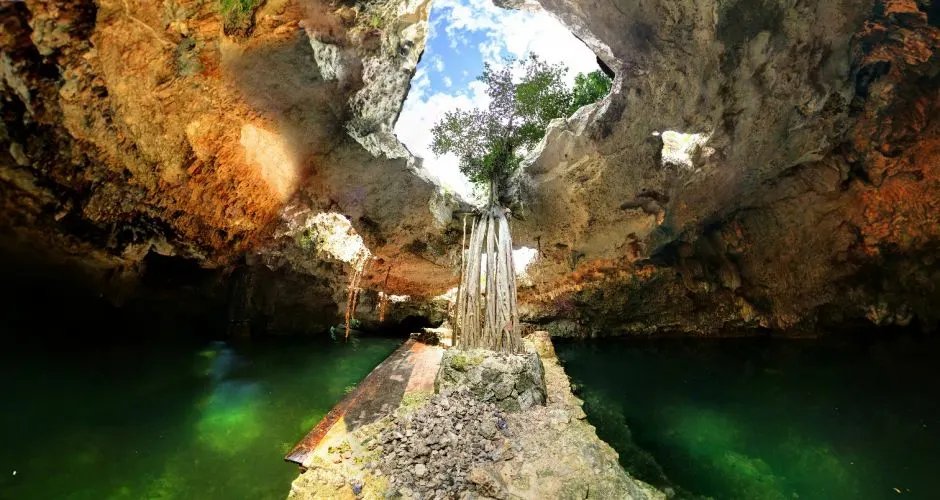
[[758, 420], [205, 421]]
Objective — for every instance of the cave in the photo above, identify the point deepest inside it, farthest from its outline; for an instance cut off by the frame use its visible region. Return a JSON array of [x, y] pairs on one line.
[[225, 224]]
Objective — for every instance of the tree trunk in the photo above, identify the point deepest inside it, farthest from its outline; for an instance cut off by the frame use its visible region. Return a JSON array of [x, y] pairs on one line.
[[488, 317]]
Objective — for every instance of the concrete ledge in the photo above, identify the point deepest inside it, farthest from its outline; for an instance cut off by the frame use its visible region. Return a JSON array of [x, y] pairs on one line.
[[412, 367]]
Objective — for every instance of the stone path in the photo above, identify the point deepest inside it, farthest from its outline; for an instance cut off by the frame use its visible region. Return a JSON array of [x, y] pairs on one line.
[[411, 368], [545, 452]]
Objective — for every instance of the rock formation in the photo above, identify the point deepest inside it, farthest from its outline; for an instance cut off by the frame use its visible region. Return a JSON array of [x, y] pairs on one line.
[[131, 129], [805, 201], [761, 165], [512, 382]]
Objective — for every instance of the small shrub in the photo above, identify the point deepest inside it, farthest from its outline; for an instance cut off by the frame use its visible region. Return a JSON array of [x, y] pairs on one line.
[[376, 21], [238, 16]]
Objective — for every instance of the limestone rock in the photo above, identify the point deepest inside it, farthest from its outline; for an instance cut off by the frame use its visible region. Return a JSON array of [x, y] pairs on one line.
[[512, 382], [153, 125], [530, 5], [334, 62], [757, 165], [488, 482], [761, 223]]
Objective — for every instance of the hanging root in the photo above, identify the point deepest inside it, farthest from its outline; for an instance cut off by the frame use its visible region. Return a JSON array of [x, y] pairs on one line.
[[487, 316], [383, 306], [352, 293], [461, 287], [384, 296]]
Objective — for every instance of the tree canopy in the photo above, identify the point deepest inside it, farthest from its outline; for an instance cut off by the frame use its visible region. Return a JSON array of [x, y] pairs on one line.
[[588, 88], [490, 142]]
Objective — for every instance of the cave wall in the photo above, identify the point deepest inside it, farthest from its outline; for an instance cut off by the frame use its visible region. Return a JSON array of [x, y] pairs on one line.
[[171, 128], [811, 207], [132, 132]]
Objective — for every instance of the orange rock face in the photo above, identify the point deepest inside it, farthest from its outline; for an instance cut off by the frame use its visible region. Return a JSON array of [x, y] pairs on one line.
[[135, 129], [173, 128], [897, 136]]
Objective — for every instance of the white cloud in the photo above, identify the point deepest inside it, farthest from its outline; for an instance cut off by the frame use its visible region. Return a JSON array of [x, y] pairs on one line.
[[414, 125], [469, 15], [438, 63], [492, 50], [420, 83], [448, 82], [517, 32], [458, 40]]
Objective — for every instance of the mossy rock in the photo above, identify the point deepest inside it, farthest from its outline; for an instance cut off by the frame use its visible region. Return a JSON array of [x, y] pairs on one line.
[[411, 401], [238, 16], [512, 382], [464, 361]]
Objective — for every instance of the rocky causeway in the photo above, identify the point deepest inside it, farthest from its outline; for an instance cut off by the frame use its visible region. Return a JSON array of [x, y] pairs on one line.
[[461, 443]]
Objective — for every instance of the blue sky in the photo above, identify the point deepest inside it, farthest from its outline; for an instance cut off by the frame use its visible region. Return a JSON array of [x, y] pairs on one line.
[[463, 35]]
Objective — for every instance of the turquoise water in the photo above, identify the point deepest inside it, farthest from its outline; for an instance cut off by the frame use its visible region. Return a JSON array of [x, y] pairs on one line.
[[207, 420], [757, 419]]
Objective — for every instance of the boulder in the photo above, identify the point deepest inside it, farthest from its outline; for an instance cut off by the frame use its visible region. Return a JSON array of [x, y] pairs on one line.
[[512, 382]]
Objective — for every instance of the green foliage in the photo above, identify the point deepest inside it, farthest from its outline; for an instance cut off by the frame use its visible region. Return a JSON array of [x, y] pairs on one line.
[[307, 240], [588, 89], [490, 142], [376, 21], [414, 400], [237, 15], [459, 362], [340, 449], [542, 96]]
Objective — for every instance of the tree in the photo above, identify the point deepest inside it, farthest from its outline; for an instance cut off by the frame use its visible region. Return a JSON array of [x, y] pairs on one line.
[[490, 143], [588, 89]]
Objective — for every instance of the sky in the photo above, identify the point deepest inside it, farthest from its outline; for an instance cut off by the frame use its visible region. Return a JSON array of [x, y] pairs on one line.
[[463, 35]]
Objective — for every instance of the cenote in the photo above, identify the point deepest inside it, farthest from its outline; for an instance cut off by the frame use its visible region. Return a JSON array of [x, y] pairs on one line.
[[193, 193], [160, 419], [767, 419]]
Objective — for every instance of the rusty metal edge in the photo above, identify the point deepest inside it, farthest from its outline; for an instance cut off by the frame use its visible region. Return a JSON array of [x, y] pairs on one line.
[[309, 442]]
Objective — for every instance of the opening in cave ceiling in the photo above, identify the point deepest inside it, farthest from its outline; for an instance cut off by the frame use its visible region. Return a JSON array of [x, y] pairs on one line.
[[463, 36]]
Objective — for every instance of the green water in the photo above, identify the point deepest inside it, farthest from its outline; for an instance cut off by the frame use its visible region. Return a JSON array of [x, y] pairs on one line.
[[201, 421], [758, 419]]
